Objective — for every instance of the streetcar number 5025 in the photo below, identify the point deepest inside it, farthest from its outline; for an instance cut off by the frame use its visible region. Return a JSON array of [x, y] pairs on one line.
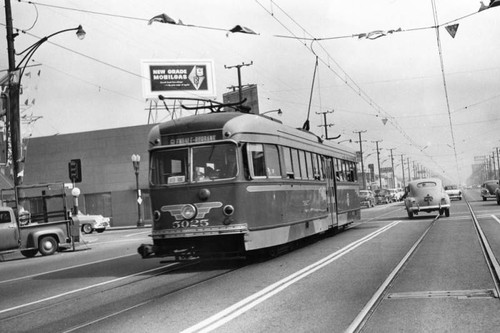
[[190, 224]]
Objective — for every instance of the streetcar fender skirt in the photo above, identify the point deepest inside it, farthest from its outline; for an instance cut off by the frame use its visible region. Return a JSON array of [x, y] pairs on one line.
[[262, 238]]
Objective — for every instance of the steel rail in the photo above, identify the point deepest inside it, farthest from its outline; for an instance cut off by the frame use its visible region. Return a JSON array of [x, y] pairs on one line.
[[360, 321], [489, 256]]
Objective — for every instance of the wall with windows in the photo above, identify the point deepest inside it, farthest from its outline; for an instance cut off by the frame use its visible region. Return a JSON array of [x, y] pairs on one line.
[[108, 184]]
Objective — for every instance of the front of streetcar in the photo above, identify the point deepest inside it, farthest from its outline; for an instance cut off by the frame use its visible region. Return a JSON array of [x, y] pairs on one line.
[[193, 170]]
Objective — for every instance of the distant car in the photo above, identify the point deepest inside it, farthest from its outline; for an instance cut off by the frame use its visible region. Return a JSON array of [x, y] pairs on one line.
[[488, 189], [396, 194], [453, 192], [367, 198], [497, 195], [426, 195], [382, 196], [89, 223]]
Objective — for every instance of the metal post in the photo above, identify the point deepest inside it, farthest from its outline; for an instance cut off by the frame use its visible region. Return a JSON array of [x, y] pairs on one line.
[[378, 163], [409, 173], [498, 163], [136, 159]]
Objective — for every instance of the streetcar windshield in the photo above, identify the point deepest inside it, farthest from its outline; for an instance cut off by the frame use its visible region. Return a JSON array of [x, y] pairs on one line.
[[208, 163], [214, 162]]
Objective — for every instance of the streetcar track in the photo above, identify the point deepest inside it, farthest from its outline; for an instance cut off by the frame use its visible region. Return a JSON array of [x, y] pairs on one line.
[[155, 298], [165, 269], [489, 256], [369, 309], [359, 322]]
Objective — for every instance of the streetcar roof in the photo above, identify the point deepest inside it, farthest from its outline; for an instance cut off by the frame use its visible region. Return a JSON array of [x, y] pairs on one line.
[[243, 127]]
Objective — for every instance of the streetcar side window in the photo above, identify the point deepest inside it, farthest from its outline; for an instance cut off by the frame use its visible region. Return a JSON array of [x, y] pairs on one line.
[[287, 156], [265, 161], [296, 164], [309, 165], [272, 161], [256, 152]]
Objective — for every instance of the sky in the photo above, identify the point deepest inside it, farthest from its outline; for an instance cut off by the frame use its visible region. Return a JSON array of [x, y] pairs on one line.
[[432, 100]]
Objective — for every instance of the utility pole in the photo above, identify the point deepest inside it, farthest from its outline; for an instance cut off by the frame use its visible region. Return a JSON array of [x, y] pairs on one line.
[[403, 169], [378, 163], [409, 173], [361, 153], [238, 68], [498, 163], [392, 165], [325, 125], [13, 118]]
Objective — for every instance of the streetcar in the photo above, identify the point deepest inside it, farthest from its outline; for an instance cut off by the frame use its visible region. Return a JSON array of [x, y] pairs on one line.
[[232, 184]]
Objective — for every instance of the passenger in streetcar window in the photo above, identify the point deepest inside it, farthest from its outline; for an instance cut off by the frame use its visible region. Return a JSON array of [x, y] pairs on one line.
[[230, 167]]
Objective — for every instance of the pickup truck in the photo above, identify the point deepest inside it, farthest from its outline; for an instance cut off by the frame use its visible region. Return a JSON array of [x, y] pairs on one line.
[[47, 228], [46, 238]]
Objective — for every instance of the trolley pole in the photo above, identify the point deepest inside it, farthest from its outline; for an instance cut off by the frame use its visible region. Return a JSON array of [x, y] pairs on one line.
[[238, 68]]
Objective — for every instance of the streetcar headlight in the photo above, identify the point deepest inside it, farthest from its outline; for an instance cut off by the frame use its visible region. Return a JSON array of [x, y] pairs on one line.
[[188, 212], [228, 210]]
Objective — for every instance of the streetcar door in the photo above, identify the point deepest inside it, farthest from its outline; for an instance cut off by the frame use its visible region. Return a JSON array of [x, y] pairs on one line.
[[330, 183]]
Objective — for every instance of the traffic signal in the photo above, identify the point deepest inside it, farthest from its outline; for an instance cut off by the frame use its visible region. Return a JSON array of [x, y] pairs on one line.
[[75, 170]]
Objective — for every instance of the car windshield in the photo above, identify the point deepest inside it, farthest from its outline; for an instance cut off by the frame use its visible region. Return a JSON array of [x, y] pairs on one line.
[[450, 187]]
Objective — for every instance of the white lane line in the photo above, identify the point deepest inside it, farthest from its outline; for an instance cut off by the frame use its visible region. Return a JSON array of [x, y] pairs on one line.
[[248, 303], [66, 268], [82, 289], [496, 218]]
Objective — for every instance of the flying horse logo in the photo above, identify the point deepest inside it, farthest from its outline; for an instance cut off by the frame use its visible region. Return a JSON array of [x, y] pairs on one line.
[[201, 208]]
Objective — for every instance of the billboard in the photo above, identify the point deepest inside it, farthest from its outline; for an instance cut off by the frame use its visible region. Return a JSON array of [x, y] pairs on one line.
[[178, 78], [249, 92]]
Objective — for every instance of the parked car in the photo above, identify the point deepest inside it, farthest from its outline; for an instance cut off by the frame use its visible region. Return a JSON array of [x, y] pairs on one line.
[[488, 189], [89, 223], [497, 195], [382, 196], [453, 192], [426, 195], [367, 198]]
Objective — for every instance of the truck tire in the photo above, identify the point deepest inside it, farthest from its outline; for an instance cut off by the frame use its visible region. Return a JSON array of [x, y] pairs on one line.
[[29, 253], [87, 228], [47, 245]]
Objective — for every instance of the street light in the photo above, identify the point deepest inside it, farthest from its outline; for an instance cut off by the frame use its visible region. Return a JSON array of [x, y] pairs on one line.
[[136, 160], [15, 74]]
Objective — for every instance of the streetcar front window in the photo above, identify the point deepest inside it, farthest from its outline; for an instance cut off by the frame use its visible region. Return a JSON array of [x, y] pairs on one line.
[[169, 166], [214, 162]]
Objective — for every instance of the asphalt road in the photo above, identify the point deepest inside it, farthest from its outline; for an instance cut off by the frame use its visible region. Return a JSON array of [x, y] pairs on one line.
[[104, 286]]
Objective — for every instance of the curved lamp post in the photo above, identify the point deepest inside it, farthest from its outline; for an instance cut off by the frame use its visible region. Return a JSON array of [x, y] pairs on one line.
[[136, 160], [15, 75]]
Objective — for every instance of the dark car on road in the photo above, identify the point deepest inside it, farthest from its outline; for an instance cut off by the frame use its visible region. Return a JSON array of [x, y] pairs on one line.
[[488, 189], [383, 196], [366, 198]]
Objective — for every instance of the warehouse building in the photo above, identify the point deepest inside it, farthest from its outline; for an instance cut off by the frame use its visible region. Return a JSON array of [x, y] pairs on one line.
[[108, 185]]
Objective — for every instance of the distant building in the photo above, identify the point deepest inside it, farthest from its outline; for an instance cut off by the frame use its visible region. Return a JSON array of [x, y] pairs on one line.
[[108, 184]]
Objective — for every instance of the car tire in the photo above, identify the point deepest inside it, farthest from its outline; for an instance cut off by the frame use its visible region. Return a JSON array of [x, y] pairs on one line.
[[100, 231], [47, 245], [410, 214], [87, 228], [447, 212], [484, 198], [498, 200]]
